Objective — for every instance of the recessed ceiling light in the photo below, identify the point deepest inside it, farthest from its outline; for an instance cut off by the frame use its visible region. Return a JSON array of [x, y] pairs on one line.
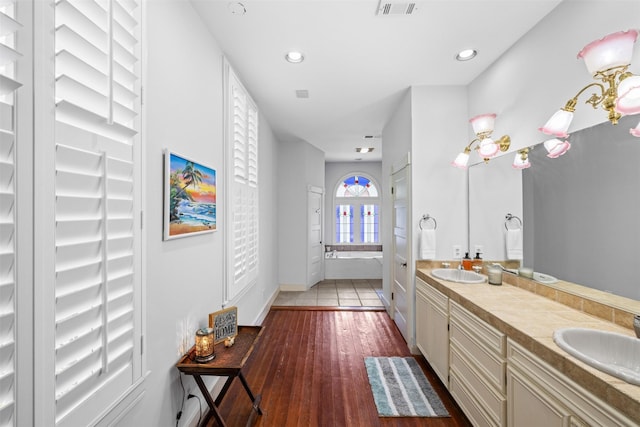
[[294, 57], [467, 54], [364, 149]]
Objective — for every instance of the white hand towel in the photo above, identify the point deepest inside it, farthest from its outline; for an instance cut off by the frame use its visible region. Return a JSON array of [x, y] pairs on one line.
[[427, 244], [514, 244]]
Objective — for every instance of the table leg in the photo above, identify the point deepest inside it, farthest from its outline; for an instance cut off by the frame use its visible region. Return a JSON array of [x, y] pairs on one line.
[[213, 408], [255, 400], [224, 390]]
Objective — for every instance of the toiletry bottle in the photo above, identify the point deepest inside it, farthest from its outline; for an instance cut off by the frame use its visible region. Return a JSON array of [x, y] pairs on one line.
[[477, 261], [466, 261]]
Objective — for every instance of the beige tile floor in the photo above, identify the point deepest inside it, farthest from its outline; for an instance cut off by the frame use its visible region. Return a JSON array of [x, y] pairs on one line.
[[336, 293]]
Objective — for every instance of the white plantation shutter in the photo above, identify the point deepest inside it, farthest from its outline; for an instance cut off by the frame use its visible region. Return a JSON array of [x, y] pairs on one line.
[[97, 255], [243, 187], [252, 192], [9, 31]]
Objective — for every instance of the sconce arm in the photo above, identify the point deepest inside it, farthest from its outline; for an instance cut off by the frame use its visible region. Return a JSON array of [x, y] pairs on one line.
[[467, 149], [594, 100]]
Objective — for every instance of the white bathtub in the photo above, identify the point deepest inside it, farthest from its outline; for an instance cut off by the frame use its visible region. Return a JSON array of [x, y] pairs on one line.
[[353, 265]]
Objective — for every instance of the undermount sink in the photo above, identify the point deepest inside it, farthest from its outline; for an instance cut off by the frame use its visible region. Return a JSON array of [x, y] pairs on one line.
[[610, 352], [460, 276], [544, 278]]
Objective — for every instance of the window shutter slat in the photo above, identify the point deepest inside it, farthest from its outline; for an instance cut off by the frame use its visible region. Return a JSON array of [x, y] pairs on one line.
[[8, 25], [67, 39], [8, 55]]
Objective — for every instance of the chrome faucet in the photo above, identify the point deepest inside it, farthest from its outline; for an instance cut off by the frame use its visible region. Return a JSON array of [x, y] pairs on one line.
[[636, 325]]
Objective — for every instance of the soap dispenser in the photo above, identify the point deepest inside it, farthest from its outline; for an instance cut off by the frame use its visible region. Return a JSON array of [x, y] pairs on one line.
[[477, 261], [466, 261]]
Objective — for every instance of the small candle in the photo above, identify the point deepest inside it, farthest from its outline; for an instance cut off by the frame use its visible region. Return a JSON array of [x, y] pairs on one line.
[[204, 345], [495, 275]]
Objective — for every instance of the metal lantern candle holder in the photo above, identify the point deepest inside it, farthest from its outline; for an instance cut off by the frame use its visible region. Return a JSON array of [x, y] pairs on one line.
[[204, 345]]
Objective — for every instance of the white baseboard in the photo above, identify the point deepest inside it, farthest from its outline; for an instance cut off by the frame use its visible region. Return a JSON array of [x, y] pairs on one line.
[[289, 288]]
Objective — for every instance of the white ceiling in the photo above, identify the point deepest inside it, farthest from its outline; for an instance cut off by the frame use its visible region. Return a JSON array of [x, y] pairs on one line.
[[358, 64]]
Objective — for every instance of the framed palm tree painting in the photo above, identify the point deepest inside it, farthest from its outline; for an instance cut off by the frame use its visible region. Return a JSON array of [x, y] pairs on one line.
[[189, 197]]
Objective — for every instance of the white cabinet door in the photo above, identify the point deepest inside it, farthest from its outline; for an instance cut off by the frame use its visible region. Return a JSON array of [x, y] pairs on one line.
[[432, 328], [529, 406]]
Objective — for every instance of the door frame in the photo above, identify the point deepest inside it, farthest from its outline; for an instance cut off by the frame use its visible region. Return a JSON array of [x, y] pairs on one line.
[[320, 191], [404, 162]]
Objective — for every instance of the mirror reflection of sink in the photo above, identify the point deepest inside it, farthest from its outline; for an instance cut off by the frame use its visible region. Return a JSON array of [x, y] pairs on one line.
[[544, 278], [460, 276], [609, 352]]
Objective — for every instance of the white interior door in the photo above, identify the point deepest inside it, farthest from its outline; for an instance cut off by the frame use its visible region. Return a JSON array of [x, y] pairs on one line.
[[400, 283], [314, 240]]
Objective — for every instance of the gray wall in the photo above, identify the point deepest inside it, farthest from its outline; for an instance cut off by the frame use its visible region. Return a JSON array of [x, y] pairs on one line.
[[585, 208]]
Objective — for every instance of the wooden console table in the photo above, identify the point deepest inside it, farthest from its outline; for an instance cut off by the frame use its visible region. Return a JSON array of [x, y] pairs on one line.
[[227, 363]]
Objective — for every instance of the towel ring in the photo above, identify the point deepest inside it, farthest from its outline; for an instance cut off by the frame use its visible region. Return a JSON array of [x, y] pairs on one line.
[[508, 218], [426, 218]]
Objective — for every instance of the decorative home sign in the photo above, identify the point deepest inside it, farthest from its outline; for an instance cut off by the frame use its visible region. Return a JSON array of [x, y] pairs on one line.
[[189, 197], [224, 324]]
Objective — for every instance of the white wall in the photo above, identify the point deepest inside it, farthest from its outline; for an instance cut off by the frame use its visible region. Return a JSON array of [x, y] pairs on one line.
[[440, 132], [540, 73], [183, 111], [303, 166], [334, 171]]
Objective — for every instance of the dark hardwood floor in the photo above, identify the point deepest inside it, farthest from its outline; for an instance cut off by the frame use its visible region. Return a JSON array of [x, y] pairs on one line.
[[308, 365]]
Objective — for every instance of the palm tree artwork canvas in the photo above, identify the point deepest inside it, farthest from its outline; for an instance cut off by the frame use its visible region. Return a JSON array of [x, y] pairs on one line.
[[190, 197]]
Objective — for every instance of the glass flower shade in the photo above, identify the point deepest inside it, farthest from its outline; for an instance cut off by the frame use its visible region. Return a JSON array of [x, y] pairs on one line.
[[558, 124], [483, 123], [518, 163], [614, 50], [628, 101], [556, 147], [635, 131], [461, 161], [488, 148]]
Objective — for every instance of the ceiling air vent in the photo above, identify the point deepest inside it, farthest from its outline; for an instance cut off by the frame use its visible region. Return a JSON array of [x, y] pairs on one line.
[[386, 8], [302, 93]]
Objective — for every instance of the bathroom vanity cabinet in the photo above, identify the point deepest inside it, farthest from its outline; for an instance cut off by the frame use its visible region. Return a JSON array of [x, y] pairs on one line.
[[495, 379], [432, 328]]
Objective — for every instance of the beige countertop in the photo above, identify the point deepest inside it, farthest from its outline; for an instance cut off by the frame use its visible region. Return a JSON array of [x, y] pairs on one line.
[[530, 320]]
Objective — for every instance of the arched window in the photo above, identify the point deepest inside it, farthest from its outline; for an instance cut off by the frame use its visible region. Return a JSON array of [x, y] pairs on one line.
[[357, 210]]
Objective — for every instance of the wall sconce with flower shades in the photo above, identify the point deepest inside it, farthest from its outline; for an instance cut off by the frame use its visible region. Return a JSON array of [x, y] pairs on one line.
[[607, 60], [487, 147], [521, 161]]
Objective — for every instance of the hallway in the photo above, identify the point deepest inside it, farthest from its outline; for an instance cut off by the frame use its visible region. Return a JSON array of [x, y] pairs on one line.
[[335, 293]]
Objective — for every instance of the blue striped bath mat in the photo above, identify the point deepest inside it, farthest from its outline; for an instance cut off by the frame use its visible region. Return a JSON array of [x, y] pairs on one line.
[[400, 388]]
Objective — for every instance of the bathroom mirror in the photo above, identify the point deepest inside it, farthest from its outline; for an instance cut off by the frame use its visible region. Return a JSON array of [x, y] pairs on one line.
[[580, 212], [495, 190]]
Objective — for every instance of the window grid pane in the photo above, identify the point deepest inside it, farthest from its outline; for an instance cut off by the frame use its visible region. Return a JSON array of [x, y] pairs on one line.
[[369, 223], [357, 186], [344, 224]]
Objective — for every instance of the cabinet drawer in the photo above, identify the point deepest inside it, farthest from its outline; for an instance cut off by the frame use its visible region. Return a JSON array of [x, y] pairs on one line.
[[491, 399], [487, 335], [436, 297], [474, 410], [492, 366]]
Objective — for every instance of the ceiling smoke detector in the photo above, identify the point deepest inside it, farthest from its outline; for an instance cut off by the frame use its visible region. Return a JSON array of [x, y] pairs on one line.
[[387, 8]]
